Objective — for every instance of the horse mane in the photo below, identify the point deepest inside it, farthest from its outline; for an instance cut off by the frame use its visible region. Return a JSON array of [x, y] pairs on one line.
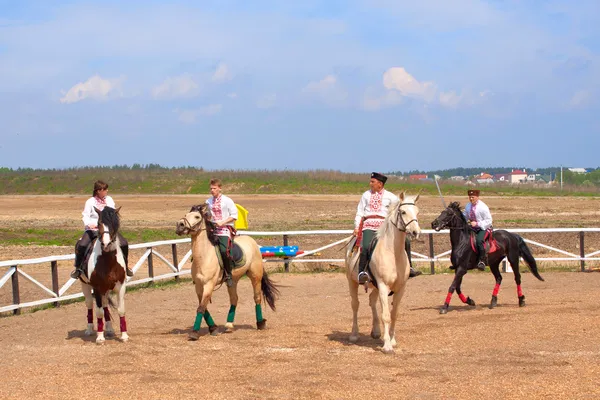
[[455, 205], [111, 219], [210, 226]]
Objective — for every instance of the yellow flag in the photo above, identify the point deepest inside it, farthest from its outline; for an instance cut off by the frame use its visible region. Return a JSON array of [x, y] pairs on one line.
[[242, 221]]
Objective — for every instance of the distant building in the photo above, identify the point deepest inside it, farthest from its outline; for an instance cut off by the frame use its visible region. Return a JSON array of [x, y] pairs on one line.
[[484, 177], [417, 177], [505, 178], [578, 170], [457, 178], [518, 176]]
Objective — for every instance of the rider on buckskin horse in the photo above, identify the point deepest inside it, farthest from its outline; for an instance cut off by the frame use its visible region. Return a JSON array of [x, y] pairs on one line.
[[223, 213], [99, 200], [479, 217], [372, 210]]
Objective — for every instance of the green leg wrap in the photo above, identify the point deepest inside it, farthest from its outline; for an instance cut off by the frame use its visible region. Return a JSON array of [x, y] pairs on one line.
[[198, 321], [231, 314], [258, 310], [208, 318]]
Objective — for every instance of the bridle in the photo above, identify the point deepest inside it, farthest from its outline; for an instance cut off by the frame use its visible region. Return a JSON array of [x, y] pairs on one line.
[[400, 224], [195, 228], [444, 225]]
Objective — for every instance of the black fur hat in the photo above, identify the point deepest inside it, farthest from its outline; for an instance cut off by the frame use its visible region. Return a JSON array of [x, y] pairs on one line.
[[380, 177]]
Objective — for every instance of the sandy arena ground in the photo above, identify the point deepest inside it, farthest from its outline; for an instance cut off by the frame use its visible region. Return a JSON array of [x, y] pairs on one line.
[[547, 349]]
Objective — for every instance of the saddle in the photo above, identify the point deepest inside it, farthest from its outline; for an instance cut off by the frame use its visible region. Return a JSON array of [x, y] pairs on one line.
[[237, 255], [489, 243]]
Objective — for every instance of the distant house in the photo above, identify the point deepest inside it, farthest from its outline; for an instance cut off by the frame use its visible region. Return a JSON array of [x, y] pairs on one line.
[[578, 170], [457, 178], [532, 177], [518, 176], [484, 177], [505, 178], [417, 177]]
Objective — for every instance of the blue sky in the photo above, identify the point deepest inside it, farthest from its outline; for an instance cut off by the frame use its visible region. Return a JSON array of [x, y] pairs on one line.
[[346, 85]]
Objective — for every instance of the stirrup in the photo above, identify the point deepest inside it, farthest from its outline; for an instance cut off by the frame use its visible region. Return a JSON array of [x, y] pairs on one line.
[[413, 273], [229, 281], [363, 277], [481, 266], [76, 273], [128, 272]]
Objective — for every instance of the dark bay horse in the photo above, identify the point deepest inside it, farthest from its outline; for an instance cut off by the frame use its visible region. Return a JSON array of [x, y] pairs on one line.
[[105, 272], [464, 258]]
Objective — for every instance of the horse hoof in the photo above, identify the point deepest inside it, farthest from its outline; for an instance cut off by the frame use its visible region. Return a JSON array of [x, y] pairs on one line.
[[353, 339], [261, 325], [228, 328], [194, 335], [109, 333], [124, 337], [444, 310], [470, 301], [375, 335], [494, 302], [100, 341], [213, 330], [522, 301], [387, 350], [88, 332]]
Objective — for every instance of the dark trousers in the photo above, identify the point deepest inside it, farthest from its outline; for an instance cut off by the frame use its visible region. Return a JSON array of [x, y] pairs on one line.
[[88, 237], [367, 238], [227, 262], [479, 235]]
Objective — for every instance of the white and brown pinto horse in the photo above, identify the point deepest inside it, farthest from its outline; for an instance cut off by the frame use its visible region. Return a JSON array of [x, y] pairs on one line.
[[389, 267], [105, 272], [207, 272]]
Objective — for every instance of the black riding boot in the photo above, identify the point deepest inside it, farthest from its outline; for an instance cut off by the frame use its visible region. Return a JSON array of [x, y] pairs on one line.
[[227, 267], [363, 277], [79, 256], [413, 272], [125, 251]]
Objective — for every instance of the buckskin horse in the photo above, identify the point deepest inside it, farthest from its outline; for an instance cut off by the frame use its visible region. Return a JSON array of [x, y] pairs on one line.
[[464, 257], [105, 272], [207, 271], [389, 268]]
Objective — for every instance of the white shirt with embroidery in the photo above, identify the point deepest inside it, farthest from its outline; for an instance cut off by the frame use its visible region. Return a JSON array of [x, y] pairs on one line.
[[90, 216], [374, 204], [222, 208], [479, 213]]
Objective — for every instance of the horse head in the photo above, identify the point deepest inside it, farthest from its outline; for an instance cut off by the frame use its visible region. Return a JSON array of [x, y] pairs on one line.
[[109, 223], [197, 219], [406, 215], [451, 217]]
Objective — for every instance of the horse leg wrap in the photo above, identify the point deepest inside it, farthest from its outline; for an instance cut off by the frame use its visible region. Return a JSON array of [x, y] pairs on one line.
[[198, 321], [258, 310], [496, 290], [123, 324], [448, 298], [231, 314], [100, 324], [106, 314], [90, 316], [462, 298], [208, 318], [519, 291]]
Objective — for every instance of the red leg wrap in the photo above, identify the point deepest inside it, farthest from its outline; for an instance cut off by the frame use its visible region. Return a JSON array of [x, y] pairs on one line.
[[106, 314], [448, 298], [100, 325], [90, 316], [123, 324], [519, 291], [463, 298], [496, 289]]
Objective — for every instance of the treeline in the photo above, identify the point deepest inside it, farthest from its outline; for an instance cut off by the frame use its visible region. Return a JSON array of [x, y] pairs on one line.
[[155, 179]]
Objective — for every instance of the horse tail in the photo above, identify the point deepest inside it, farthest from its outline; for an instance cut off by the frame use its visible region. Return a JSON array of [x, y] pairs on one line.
[[528, 257], [269, 290]]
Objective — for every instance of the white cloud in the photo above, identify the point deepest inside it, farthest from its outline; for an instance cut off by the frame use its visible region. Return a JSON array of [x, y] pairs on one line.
[[191, 116], [232, 95], [267, 101], [222, 74], [174, 87], [580, 98], [94, 88], [388, 99], [450, 99], [396, 78], [328, 90]]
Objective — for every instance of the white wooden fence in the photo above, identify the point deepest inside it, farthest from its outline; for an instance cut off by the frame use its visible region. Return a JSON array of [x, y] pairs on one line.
[[11, 269]]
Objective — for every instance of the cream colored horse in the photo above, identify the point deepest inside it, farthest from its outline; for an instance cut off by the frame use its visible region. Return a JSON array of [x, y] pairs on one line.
[[389, 268], [207, 273]]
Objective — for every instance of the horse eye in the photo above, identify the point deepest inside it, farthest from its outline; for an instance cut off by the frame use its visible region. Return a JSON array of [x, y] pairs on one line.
[[403, 212]]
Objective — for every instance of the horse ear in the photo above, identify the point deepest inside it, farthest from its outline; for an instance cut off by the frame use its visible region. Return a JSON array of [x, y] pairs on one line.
[[401, 196], [97, 211], [418, 195], [118, 209]]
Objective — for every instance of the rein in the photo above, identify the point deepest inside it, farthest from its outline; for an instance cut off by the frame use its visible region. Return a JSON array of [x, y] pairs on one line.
[[403, 225]]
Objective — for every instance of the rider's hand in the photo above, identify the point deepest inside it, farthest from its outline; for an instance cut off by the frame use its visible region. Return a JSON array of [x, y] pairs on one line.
[[474, 224], [92, 226], [355, 233], [219, 223]]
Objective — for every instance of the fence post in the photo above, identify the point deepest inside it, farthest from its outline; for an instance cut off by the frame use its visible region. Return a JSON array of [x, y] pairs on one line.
[[431, 254], [175, 261], [150, 265], [54, 269], [582, 250], [15, 289], [286, 263]]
